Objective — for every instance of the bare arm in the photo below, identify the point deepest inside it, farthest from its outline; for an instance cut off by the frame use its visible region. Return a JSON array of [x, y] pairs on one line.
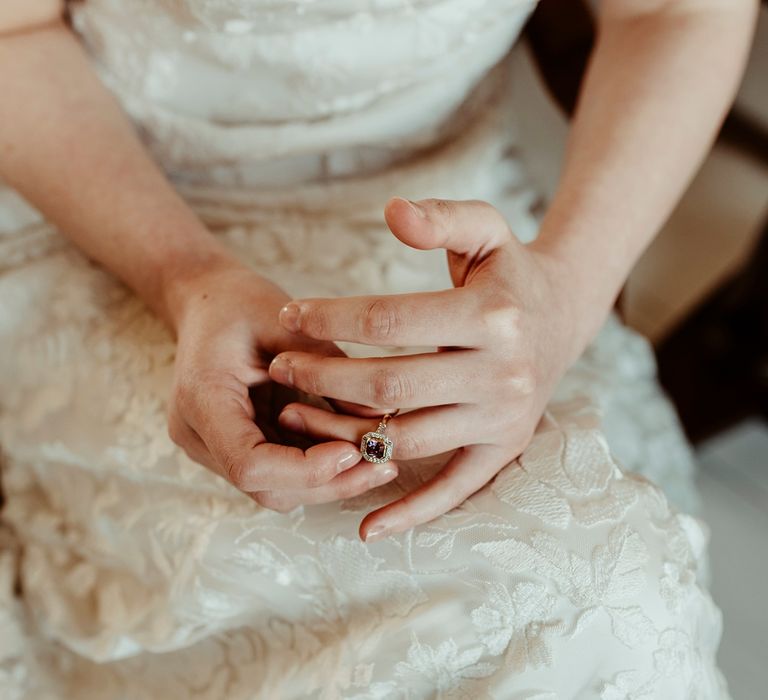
[[659, 83], [68, 148]]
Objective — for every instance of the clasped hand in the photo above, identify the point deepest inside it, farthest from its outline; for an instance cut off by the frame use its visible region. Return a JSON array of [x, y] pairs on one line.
[[503, 336], [502, 339]]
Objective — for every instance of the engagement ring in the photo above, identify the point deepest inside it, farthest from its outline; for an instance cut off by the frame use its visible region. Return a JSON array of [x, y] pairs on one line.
[[376, 446]]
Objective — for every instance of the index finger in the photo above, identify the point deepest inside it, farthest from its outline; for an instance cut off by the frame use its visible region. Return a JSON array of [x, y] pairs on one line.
[[428, 319], [243, 456]]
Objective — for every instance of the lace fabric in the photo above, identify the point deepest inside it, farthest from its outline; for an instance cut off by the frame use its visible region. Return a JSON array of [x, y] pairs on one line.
[[145, 576]]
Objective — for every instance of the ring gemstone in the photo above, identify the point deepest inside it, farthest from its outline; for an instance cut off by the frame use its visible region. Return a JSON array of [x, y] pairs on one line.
[[376, 447]]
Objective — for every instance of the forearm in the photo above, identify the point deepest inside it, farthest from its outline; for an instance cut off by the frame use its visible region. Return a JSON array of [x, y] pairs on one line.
[[67, 147], [658, 86]]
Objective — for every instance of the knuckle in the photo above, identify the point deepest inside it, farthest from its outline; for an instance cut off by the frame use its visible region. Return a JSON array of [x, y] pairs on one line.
[[274, 501], [445, 209], [309, 378], [389, 389], [345, 492], [314, 322], [409, 445], [502, 321], [315, 475], [345, 489], [381, 320], [183, 394], [236, 471], [493, 216], [176, 432], [484, 204], [526, 379], [190, 392], [258, 497], [520, 379], [193, 456], [498, 424]]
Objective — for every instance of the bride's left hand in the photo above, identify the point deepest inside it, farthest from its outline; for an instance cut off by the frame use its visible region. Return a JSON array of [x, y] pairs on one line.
[[505, 335]]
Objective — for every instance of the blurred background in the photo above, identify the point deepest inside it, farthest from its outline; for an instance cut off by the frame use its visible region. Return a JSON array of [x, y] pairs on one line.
[[700, 294]]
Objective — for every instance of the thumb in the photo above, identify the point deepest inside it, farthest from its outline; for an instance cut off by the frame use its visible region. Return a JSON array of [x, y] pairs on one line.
[[471, 228]]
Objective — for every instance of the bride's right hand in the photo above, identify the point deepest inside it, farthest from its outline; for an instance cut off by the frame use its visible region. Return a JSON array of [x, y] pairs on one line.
[[226, 322]]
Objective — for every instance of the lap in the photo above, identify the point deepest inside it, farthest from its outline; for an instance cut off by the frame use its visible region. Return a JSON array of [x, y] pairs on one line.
[[565, 575]]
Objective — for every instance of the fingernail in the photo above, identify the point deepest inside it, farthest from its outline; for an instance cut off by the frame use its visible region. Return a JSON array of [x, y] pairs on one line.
[[348, 460], [281, 370], [382, 474], [289, 317], [377, 532], [417, 209], [292, 420]]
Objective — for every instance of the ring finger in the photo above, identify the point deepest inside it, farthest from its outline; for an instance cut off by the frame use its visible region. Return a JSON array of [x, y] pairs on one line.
[[421, 433]]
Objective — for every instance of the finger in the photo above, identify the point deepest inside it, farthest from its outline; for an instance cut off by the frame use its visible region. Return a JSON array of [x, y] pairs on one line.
[[464, 474], [387, 383], [189, 441], [470, 227], [353, 409], [353, 482], [421, 433], [431, 319], [285, 338], [242, 455]]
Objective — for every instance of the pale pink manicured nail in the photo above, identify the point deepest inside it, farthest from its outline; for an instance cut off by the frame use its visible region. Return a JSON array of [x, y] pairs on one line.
[[348, 460], [377, 532], [289, 317], [292, 420], [281, 370]]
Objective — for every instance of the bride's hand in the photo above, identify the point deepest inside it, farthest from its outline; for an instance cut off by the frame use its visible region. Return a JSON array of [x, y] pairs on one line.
[[227, 334], [505, 334]]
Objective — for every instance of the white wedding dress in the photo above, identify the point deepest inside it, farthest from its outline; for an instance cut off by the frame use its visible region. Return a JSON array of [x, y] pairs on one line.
[[129, 572]]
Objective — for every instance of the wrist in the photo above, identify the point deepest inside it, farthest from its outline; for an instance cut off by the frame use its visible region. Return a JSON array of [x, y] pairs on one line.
[[583, 290], [184, 278]]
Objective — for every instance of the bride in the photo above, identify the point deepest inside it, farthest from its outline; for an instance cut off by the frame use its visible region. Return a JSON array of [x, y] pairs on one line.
[[221, 242]]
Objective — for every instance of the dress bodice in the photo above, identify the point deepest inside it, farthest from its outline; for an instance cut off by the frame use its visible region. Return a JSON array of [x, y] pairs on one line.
[[252, 91]]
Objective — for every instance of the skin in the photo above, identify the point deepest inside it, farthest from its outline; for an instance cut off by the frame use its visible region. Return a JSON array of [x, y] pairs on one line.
[[517, 318]]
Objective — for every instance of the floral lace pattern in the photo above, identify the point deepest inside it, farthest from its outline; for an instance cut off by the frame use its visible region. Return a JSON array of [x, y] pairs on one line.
[[145, 576]]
